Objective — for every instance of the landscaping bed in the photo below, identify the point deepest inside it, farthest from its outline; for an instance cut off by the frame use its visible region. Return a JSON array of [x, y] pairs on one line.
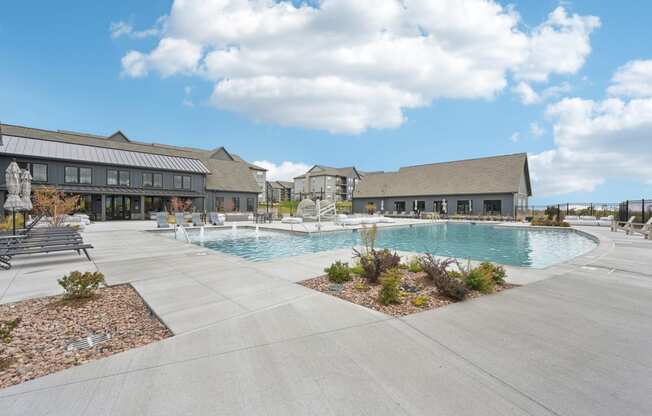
[[413, 285], [37, 345]]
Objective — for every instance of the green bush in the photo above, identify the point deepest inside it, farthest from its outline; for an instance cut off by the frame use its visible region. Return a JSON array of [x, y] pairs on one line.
[[547, 222], [446, 283], [414, 266], [376, 263], [357, 269], [480, 280], [6, 327], [338, 272], [421, 301], [390, 292], [361, 287], [78, 286], [496, 272]]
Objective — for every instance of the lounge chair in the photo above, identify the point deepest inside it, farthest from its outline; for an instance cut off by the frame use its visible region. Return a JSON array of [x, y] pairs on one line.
[[196, 219], [43, 243], [625, 226], [572, 220], [162, 220], [588, 220], [216, 218], [645, 230], [605, 221]]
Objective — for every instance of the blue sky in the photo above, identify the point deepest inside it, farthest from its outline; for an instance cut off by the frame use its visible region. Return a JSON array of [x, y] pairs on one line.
[[63, 69]]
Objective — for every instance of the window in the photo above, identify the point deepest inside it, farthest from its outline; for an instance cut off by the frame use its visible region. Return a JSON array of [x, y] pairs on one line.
[[124, 178], [178, 181], [438, 207], [219, 204], [421, 206], [186, 182], [148, 179], [158, 180], [71, 174], [492, 207], [236, 203], [85, 175], [250, 204], [39, 172], [111, 177], [464, 206], [399, 206]]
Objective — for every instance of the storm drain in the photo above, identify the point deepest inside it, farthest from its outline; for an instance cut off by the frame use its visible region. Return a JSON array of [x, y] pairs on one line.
[[88, 342]]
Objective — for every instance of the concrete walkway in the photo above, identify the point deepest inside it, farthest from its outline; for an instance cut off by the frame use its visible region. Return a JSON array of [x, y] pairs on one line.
[[248, 340]]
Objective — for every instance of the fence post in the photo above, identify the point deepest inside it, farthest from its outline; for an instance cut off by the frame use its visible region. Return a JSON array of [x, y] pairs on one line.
[[567, 208], [643, 210]]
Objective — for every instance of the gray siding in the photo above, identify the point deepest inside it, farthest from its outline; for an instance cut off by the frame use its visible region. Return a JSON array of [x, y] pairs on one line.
[[212, 196], [507, 202]]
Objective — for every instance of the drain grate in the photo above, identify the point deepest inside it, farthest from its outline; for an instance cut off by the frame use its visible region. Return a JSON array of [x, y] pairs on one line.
[[88, 342]]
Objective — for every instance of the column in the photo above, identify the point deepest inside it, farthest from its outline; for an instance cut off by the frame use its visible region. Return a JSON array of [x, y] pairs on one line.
[[103, 210], [142, 207]]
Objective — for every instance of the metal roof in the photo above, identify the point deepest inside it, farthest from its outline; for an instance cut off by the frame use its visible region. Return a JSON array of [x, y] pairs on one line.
[[24, 146]]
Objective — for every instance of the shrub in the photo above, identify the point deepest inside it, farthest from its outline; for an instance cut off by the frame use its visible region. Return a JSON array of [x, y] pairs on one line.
[[368, 237], [421, 301], [414, 266], [437, 271], [480, 280], [547, 222], [338, 272], [6, 327], [78, 286], [376, 263], [496, 272], [390, 291], [357, 269], [361, 287]]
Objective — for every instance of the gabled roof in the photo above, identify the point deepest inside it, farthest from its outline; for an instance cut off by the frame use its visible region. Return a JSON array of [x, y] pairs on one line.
[[497, 174], [281, 184], [321, 170], [224, 175]]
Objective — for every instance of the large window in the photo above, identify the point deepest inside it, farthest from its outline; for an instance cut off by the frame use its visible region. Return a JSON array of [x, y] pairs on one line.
[[39, 172], [154, 203], [250, 204], [124, 178], [236, 203], [158, 180], [464, 206], [492, 207], [421, 206], [111, 177], [71, 174], [178, 181], [438, 207], [219, 204], [85, 175], [148, 180], [186, 182], [399, 206]]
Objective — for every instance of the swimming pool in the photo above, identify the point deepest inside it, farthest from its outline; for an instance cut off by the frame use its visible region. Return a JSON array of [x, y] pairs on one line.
[[505, 245]]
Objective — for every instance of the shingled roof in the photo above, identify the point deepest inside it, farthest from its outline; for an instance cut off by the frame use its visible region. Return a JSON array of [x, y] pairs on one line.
[[497, 174], [321, 170], [225, 175]]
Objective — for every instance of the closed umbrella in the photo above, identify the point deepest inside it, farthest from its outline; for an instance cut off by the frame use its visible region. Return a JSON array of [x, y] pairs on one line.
[[26, 189], [12, 180], [444, 207]]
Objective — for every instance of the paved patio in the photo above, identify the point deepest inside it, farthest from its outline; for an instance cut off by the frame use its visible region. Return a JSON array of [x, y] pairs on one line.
[[574, 341]]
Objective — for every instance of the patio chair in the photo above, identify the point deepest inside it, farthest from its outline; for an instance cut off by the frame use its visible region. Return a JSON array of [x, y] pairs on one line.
[[605, 221], [162, 220], [216, 218], [196, 219], [179, 218], [645, 230], [626, 226]]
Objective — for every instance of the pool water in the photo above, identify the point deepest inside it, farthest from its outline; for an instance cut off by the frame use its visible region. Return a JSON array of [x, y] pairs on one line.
[[505, 245]]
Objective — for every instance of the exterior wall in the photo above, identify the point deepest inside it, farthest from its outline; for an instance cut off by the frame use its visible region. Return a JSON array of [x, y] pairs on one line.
[[261, 180], [299, 187], [507, 203], [211, 197]]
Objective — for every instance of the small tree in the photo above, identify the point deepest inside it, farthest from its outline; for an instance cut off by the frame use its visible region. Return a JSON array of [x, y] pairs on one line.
[[180, 204], [50, 202], [368, 237]]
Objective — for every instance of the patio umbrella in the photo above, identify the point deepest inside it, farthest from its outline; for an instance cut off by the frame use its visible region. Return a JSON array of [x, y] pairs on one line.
[[26, 189], [12, 180]]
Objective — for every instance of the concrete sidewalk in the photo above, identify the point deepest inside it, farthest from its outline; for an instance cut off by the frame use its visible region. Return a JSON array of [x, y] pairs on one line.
[[250, 341]]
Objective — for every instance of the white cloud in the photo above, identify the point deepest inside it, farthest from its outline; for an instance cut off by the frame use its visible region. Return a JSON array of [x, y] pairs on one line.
[[122, 28], [536, 130], [345, 66], [285, 171], [595, 140], [634, 79], [528, 96], [515, 137]]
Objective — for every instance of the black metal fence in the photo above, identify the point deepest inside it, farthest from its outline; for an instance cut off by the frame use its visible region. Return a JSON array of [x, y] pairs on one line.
[[641, 209]]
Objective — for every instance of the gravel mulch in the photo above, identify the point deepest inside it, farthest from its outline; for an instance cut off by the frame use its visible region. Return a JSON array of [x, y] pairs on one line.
[[413, 285], [47, 325]]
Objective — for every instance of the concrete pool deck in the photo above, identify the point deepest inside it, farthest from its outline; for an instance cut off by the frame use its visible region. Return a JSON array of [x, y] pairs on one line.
[[575, 341]]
